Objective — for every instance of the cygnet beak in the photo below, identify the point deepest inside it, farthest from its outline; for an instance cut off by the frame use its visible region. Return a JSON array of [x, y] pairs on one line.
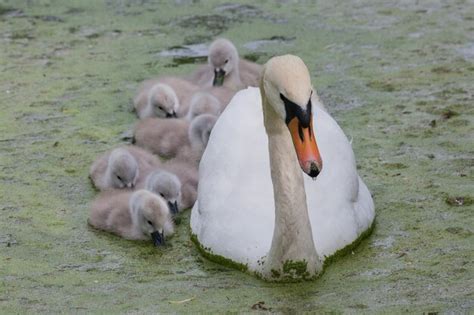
[[173, 206], [158, 238], [171, 115], [219, 75]]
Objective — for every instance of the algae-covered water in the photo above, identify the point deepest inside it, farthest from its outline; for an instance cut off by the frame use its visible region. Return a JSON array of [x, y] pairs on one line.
[[397, 75]]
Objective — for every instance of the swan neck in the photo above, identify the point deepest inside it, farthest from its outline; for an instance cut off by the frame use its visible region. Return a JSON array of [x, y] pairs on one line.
[[292, 236]]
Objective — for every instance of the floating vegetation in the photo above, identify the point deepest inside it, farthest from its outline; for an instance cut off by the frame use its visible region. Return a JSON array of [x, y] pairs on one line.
[[196, 50], [458, 201], [257, 44], [49, 266], [213, 23], [186, 54], [383, 86]]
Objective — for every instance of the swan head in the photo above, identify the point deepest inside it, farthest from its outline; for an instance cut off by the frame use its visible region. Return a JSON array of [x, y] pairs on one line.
[[203, 103], [223, 58], [286, 85], [150, 215], [163, 101], [167, 185], [122, 169], [200, 131]]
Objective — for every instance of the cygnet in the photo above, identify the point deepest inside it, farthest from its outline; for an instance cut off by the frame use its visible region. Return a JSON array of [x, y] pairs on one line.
[[164, 137], [138, 215], [121, 167], [165, 97]]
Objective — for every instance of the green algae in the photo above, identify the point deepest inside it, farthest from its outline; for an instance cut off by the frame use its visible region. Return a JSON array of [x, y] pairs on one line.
[[292, 271], [5, 9], [384, 70], [459, 201], [295, 270], [349, 249], [207, 252]]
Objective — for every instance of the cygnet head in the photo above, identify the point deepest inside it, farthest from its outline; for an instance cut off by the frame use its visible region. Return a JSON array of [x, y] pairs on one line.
[[223, 58], [163, 101], [150, 215], [122, 169], [167, 185], [203, 103], [286, 86], [200, 130]]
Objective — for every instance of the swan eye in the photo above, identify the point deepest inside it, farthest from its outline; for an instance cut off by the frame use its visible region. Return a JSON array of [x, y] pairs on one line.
[[226, 61], [161, 108], [162, 195], [119, 178], [149, 222]]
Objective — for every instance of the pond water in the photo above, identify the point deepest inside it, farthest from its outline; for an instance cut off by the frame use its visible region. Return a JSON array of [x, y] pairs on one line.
[[396, 76]]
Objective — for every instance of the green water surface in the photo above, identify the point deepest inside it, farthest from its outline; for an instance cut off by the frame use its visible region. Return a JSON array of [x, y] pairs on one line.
[[397, 75]]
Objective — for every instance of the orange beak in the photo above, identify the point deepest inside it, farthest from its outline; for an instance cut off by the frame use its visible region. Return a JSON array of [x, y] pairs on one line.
[[306, 147]]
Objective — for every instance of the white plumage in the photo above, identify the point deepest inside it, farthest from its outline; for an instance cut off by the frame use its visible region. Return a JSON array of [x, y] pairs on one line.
[[235, 211]]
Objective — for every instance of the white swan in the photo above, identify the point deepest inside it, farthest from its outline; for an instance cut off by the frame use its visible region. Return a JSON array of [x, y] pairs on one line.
[[252, 208]]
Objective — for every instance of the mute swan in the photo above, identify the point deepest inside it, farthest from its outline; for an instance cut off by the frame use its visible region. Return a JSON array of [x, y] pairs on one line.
[[200, 131], [225, 68], [167, 185], [164, 137], [138, 215], [203, 103], [173, 137], [211, 100], [186, 170], [164, 97], [222, 93], [268, 200], [121, 167]]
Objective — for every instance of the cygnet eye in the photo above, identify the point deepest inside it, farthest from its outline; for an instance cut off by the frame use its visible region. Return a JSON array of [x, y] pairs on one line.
[[119, 178], [162, 195], [149, 222], [160, 107], [226, 61]]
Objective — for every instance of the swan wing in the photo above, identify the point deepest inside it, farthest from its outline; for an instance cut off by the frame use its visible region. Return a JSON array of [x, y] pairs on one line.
[[339, 204], [234, 215]]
